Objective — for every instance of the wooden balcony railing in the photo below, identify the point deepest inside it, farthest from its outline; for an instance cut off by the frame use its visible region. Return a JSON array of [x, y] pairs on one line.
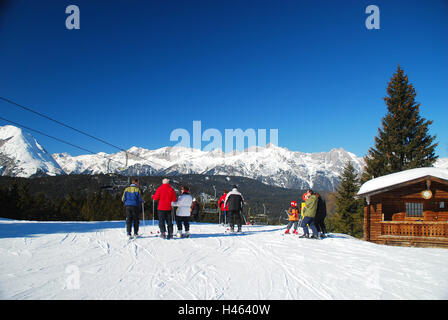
[[436, 229]]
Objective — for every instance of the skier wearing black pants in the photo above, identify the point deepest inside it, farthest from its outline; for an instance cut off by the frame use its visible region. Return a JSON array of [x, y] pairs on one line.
[[321, 213], [132, 217], [165, 217], [195, 210], [234, 201], [234, 216], [132, 200], [183, 213], [165, 195]]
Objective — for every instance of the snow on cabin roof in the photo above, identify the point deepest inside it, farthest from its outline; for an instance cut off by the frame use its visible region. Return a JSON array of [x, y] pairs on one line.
[[389, 180]]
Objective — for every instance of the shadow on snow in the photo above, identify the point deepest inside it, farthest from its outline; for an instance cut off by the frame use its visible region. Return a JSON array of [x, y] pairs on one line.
[[21, 229]]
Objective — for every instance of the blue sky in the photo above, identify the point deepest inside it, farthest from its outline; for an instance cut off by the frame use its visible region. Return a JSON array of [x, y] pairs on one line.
[[137, 70]]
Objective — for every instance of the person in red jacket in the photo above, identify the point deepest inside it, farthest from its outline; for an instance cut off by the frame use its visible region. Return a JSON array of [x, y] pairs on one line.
[[223, 209], [165, 195]]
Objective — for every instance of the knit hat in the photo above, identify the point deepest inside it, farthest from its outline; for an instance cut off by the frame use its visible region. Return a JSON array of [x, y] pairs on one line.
[[165, 181]]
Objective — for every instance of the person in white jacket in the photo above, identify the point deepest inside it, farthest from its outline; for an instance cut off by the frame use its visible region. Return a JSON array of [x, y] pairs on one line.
[[183, 212]]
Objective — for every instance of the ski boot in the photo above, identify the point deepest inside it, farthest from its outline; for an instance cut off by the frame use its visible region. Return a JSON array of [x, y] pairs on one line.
[[306, 236], [163, 235], [295, 232], [287, 231], [187, 234], [179, 234]]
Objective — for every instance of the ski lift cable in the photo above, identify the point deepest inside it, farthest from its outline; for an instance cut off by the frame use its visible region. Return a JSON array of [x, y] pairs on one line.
[[68, 126], [55, 138]]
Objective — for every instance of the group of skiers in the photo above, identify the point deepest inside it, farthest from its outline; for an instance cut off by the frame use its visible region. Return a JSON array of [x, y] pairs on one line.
[[187, 207], [230, 207], [312, 213]]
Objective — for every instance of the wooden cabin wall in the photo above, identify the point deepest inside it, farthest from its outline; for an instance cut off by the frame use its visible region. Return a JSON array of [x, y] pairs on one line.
[[394, 202], [372, 221]]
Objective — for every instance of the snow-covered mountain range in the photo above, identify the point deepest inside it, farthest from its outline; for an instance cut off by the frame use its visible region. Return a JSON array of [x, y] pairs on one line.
[[271, 165], [21, 155]]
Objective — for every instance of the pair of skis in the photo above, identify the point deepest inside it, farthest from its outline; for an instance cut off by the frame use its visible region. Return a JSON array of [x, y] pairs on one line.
[[183, 236], [300, 236], [229, 232], [290, 234], [133, 238]]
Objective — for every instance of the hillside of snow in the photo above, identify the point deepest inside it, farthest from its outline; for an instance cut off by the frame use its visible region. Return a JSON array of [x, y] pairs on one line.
[[94, 260], [22, 156]]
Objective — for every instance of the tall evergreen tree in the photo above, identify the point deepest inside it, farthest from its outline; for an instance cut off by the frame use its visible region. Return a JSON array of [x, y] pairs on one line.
[[403, 142], [348, 218]]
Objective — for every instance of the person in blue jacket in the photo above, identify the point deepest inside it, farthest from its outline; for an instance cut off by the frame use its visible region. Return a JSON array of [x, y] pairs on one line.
[[132, 199]]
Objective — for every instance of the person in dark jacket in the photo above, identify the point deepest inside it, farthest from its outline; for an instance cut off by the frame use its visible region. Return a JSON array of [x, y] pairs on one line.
[[234, 202], [132, 199], [321, 213], [195, 210]]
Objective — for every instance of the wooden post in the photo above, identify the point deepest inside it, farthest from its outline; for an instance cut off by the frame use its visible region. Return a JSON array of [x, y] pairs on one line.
[[367, 222]]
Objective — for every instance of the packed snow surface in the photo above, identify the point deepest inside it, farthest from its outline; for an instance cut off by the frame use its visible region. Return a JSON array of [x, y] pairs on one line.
[[94, 260], [401, 177]]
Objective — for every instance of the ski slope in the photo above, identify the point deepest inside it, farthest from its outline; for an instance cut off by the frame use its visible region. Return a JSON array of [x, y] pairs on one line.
[[94, 260]]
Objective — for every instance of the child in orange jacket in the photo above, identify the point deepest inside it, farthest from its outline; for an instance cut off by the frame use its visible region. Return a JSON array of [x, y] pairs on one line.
[[293, 213]]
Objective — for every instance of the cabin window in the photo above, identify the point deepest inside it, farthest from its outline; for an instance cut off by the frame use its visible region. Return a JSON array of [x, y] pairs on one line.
[[442, 205], [414, 209]]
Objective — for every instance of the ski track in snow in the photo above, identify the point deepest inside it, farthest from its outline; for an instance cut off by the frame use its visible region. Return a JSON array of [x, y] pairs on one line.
[[260, 264]]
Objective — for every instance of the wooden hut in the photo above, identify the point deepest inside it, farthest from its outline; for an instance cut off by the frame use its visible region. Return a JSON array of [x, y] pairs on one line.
[[408, 208]]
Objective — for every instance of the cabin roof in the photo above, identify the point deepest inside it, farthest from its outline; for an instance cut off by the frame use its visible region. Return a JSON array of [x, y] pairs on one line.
[[377, 185]]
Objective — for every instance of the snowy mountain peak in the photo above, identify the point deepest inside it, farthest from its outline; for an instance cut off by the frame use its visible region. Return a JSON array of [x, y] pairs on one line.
[[22, 156]]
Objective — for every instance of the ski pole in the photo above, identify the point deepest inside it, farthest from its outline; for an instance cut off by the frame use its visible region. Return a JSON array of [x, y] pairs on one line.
[[143, 211], [245, 222], [153, 213]]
